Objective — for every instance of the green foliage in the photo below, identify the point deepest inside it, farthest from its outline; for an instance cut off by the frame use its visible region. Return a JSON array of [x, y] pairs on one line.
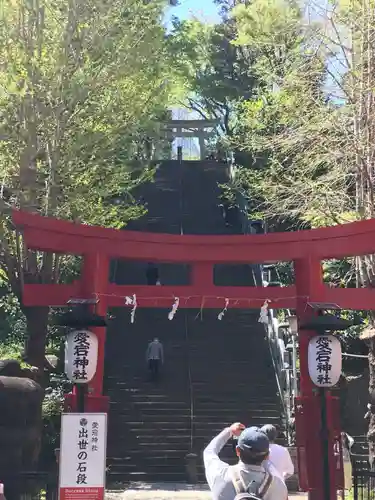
[[340, 272], [216, 73], [308, 129], [288, 129], [51, 412], [84, 87], [10, 351], [12, 322], [273, 30], [79, 99]]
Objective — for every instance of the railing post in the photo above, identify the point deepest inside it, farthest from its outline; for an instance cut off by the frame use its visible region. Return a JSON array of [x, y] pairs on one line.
[[277, 359], [355, 481]]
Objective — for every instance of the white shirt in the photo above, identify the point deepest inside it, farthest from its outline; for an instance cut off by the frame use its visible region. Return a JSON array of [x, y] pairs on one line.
[[218, 473], [280, 459]]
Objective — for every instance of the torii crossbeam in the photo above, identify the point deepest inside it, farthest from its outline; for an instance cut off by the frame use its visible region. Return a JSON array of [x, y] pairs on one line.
[[202, 253]]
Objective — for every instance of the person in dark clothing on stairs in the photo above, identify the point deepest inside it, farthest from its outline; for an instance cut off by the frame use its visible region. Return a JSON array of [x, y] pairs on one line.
[[152, 274], [155, 358]]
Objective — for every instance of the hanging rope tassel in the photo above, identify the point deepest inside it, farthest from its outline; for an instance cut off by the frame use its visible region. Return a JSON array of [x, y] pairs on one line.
[[132, 301], [221, 314], [128, 301], [174, 308], [132, 314], [263, 318]]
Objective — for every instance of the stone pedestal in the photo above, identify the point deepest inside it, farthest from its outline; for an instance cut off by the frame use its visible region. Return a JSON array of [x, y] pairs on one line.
[[292, 482], [192, 468]]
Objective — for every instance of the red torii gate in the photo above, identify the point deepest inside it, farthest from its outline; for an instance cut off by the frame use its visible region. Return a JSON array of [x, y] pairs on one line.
[[305, 248]]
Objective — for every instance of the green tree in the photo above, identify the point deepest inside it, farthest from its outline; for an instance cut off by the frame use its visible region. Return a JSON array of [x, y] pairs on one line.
[[226, 6], [215, 73], [83, 85], [290, 72], [316, 131]]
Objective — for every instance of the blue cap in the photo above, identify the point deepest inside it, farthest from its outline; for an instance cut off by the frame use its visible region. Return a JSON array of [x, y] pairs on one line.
[[253, 439]]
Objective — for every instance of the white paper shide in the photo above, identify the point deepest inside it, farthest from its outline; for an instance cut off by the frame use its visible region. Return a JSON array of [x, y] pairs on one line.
[[325, 360], [81, 356]]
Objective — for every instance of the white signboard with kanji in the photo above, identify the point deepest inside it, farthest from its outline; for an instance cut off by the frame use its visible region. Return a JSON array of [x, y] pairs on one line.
[[82, 456], [81, 356], [325, 360]]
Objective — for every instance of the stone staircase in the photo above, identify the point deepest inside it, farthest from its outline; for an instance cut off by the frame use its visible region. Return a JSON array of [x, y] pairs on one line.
[[149, 425], [215, 372]]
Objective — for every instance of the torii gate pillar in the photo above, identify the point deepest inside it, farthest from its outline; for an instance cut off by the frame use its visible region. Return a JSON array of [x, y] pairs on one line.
[[94, 279], [310, 288]]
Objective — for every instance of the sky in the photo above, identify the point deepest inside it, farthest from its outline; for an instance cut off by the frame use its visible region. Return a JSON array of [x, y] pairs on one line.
[[205, 10]]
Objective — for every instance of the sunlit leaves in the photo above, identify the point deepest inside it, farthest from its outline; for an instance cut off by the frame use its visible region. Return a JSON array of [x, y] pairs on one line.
[[83, 85]]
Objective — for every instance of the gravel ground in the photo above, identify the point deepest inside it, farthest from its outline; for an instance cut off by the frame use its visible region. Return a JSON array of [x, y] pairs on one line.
[[142, 491]]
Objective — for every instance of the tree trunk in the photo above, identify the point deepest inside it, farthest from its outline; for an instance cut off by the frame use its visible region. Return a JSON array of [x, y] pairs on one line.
[[37, 321], [371, 426]]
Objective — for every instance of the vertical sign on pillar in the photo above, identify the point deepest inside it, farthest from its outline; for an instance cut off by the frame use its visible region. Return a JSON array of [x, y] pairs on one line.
[[81, 355], [83, 456], [325, 360]]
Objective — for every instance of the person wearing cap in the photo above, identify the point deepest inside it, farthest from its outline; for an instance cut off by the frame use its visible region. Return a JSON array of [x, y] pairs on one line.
[[252, 450], [279, 455]]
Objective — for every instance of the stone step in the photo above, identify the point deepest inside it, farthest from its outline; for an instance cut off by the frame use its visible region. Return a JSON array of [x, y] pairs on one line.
[[167, 440], [126, 433], [144, 477], [159, 405], [202, 400], [155, 454], [140, 464], [159, 441], [122, 407], [219, 385], [197, 417], [182, 446], [132, 421]]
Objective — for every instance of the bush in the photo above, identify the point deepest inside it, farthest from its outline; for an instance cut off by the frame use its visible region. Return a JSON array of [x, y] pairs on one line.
[[52, 408]]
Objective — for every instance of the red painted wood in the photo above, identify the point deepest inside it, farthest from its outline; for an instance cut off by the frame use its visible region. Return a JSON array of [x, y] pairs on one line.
[[93, 404], [309, 286], [357, 238], [250, 249], [95, 282], [202, 274], [26, 219]]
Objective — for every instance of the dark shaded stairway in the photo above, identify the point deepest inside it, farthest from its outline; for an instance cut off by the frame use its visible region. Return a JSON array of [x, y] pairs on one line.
[[215, 372]]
